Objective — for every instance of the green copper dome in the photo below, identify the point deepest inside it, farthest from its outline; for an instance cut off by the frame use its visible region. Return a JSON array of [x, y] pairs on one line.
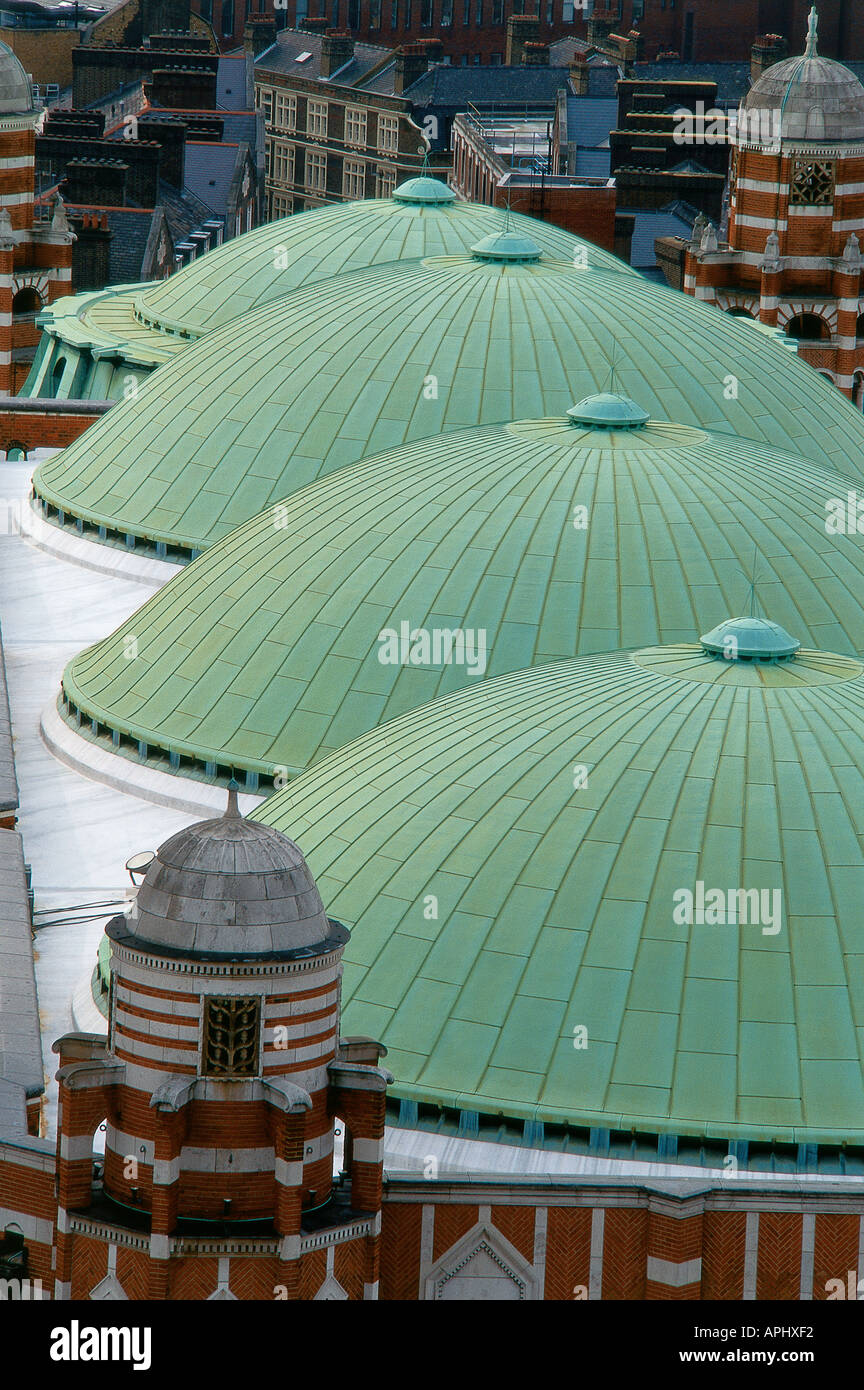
[[506, 246], [609, 411], [294, 634], [373, 358], [514, 863], [423, 190], [92, 342], [750, 639]]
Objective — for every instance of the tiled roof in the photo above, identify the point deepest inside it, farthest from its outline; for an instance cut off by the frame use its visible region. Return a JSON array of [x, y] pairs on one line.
[[264, 651], [555, 903]]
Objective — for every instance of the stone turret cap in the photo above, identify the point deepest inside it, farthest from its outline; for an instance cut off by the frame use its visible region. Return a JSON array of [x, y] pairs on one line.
[[229, 887]]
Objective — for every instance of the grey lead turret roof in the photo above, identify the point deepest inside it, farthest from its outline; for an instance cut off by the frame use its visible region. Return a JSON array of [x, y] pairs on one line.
[[16, 94], [813, 98], [228, 887]]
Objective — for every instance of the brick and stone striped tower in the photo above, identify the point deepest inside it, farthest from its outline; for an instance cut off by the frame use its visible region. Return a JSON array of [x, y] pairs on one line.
[[222, 1084], [35, 257], [796, 215]]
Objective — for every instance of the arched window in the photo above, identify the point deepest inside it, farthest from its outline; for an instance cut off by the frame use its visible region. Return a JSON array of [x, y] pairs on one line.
[[57, 374], [26, 301], [807, 328], [736, 312], [16, 454], [859, 331], [858, 390]]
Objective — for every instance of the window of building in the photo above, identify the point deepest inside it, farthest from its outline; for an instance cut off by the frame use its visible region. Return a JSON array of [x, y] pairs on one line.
[[476, 59], [425, 14], [550, 11], [388, 133], [479, 14], [316, 118], [567, 11], [302, 10], [355, 126], [638, 10], [394, 15], [227, 18], [232, 1029], [264, 102], [283, 163], [812, 183], [407, 14], [316, 172], [466, 12], [807, 328], [385, 181], [285, 112], [446, 13], [374, 14], [353, 14], [353, 178], [496, 59], [281, 205], [497, 11]]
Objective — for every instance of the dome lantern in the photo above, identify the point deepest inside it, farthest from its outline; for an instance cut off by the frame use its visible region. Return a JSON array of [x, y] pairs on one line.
[[750, 639], [609, 411]]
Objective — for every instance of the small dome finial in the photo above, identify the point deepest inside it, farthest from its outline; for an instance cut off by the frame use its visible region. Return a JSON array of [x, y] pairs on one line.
[[812, 27], [232, 810]]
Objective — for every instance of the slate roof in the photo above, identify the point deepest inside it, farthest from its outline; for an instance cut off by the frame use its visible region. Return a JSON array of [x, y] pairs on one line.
[[652, 224], [448, 86], [209, 171], [184, 211], [290, 43], [231, 83], [555, 906], [264, 651], [733, 79]]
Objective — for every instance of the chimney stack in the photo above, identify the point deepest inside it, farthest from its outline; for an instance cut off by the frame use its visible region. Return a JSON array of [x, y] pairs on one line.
[[535, 55], [260, 33], [96, 182], [521, 29], [171, 136], [411, 63], [337, 49], [766, 51]]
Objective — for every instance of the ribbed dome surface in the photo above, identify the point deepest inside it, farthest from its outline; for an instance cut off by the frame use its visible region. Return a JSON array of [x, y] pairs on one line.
[[405, 351], [229, 887], [16, 93], [149, 324], [273, 260], [810, 98], [555, 893], [265, 651]]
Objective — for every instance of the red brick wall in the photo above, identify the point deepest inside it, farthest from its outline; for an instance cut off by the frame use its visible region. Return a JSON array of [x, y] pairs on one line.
[[34, 430]]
